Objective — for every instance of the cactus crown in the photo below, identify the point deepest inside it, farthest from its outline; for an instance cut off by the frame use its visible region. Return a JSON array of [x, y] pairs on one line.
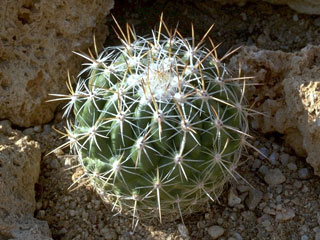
[[159, 123]]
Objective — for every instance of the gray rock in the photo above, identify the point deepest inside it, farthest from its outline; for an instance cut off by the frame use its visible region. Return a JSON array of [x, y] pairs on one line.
[[274, 177], [263, 169], [285, 215], [254, 199], [215, 231], [292, 166], [183, 230], [284, 158], [304, 173], [273, 158], [317, 236], [256, 164], [263, 152], [233, 198]]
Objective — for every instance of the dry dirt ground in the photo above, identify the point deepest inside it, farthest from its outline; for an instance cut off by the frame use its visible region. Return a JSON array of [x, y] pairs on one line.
[[279, 198]]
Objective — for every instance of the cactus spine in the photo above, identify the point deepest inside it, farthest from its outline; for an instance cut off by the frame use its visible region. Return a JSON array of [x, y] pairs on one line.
[[159, 124]]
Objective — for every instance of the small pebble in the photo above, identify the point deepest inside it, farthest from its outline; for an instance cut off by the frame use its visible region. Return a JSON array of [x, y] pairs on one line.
[[263, 169], [317, 236], [284, 158], [237, 236], [304, 237], [58, 152], [263, 152], [215, 231], [304, 173], [243, 188], [47, 128], [292, 167], [183, 230], [72, 212], [233, 198], [220, 220], [28, 131], [274, 177], [256, 164], [285, 215], [295, 18], [254, 199], [37, 128], [273, 158]]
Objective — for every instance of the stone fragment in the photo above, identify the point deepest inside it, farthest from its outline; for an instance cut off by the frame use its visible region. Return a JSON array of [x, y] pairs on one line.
[[233, 198], [36, 43], [255, 196], [285, 215], [292, 167], [304, 173], [274, 177], [183, 230], [215, 231]]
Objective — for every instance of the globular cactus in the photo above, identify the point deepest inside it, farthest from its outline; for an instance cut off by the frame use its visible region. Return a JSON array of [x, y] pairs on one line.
[[159, 124]]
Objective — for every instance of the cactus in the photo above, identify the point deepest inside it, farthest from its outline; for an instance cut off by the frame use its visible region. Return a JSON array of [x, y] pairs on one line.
[[160, 124]]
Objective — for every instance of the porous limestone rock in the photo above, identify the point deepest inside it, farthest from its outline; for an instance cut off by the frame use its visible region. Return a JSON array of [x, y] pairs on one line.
[[37, 38], [301, 6], [19, 171], [289, 96]]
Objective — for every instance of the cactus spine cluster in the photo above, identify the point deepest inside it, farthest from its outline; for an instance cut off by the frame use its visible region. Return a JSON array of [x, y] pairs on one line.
[[159, 124]]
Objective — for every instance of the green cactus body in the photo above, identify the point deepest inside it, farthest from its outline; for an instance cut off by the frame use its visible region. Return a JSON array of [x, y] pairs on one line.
[[159, 125]]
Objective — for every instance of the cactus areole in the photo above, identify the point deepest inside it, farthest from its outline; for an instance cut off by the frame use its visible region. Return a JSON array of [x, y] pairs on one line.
[[159, 124]]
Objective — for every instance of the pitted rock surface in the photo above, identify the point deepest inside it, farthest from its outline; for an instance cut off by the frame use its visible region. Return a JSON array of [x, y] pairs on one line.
[[36, 43], [289, 96], [19, 171]]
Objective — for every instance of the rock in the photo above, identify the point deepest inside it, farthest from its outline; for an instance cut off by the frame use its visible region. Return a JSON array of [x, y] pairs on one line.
[[255, 196], [304, 173], [233, 198], [273, 158], [19, 171], [285, 215], [284, 158], [183, 230], [274, 177], [292, 167], [289, 96], [301, 6], [263, 169], [36, 43], [215, 231]]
